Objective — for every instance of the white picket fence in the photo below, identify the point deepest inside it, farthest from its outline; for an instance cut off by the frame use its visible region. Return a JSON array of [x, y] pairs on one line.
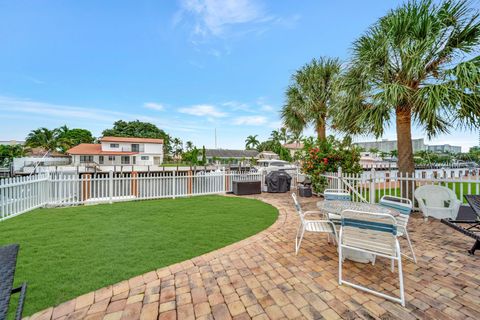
[[371, 186], [22, 194]]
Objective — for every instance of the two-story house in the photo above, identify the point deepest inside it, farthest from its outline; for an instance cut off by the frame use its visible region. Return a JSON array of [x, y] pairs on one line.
[[118, 151]]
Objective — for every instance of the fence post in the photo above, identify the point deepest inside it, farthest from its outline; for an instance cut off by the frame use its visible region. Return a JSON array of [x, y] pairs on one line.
[[372, 186], [110, 186], [340, 181], [224, 183], [174, 186]]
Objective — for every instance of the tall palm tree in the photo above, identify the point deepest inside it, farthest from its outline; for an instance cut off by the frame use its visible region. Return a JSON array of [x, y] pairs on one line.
[[189, 145], [309, 96], [419, 63], [251, 142], [276, 136], [43, 138]]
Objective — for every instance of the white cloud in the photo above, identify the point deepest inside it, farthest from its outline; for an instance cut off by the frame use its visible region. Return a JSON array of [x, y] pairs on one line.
[[250, 120], [203, 110], [235, 105], [212, 17], [154, 106]]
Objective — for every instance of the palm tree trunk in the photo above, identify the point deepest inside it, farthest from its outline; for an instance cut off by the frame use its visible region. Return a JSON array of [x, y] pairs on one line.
[[321, 131], [404, 147]]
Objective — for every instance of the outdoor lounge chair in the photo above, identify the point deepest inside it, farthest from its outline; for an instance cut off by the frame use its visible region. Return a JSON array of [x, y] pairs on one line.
[[372, 233], [437, 202], [404, 206], [8, 262], [468, 224], [318, 226]]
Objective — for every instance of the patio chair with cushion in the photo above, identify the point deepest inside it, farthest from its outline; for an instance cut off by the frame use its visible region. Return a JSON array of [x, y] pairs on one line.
[[437, 202], [404, 206], [370, 233], [319, 226], [339, 195]]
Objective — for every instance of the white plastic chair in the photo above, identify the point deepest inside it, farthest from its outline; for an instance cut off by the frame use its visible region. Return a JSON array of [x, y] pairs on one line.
[[404, 206], [372, 233], [318, 226], [437, 202]]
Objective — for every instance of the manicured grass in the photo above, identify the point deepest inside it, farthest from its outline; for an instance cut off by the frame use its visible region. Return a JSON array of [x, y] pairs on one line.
[[66, 252], [380, 192]]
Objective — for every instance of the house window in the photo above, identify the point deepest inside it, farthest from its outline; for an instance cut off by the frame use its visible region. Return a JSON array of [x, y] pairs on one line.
[[100, 159], [114, 145], [135, 147], [85, 159], [134, 160], [111, 158], [144, 157], [125, 160]]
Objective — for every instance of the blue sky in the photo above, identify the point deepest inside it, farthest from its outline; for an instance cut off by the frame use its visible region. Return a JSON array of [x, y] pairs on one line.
[[188, 66]]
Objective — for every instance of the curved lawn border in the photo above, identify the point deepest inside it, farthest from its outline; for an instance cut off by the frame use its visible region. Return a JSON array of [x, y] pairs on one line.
[[218, 238]]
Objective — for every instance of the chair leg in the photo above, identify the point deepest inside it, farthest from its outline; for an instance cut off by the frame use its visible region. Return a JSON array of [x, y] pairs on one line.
[[300, 241], [340, 260], [400, 277], [410, 245]]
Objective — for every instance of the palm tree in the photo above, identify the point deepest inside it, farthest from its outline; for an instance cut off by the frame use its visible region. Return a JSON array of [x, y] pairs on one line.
[[276, 136], [284, 135], [189, 145], [310, 95], [394, 153], [295, 137], [418, 63], [43, 138], [251, 142]]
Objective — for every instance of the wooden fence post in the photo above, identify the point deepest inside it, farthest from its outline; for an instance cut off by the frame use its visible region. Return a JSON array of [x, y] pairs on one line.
[[372, 186], [110, 186]]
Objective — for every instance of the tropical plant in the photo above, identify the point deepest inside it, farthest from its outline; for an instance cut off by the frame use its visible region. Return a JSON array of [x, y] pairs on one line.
[[251, 142], [9, 152], [68, 138], [43, 138], [327, 155], [189, 146], [310, 96], [419, 63]]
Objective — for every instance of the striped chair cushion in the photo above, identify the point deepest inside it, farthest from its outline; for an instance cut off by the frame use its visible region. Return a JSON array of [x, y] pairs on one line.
[[337, 196], [370, 225], [402, 208]]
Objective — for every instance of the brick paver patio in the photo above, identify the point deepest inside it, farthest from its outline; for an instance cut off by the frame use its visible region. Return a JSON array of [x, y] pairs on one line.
[[261, 278]]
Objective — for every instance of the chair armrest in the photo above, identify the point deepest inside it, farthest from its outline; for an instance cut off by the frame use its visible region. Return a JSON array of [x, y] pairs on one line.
[[312, 212]]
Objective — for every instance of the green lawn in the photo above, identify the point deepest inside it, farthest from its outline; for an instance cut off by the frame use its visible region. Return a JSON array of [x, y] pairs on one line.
[[380, 192], [65, 252]]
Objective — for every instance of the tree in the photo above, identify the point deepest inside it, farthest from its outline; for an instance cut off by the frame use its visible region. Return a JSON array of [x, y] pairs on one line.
[[418, 63], [295, 137], [139, 129], [251, 142], [204, 156], [177, 147], [189, 146], [374, 151], [8, 152], [68, 138], [43, 138], [310, 95], [394, 153]]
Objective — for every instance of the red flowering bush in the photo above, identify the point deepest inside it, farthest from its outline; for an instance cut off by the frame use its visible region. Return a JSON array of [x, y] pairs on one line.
[[318, 157]]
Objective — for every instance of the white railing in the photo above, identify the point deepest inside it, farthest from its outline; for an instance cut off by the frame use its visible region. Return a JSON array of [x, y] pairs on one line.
[[371, 186], [19, 195]]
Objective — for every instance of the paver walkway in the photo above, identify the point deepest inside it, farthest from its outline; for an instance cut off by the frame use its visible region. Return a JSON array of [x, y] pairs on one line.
[[261, 278]]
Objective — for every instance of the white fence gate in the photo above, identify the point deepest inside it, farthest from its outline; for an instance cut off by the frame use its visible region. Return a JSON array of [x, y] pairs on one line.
[[22, 194], [370, 187]]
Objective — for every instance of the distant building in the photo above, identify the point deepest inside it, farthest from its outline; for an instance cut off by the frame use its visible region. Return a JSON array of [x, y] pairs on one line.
[[118, 151], [444, 148], [228, 156], [11, 142], [293, 147], [390, 145], [268, 155]]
